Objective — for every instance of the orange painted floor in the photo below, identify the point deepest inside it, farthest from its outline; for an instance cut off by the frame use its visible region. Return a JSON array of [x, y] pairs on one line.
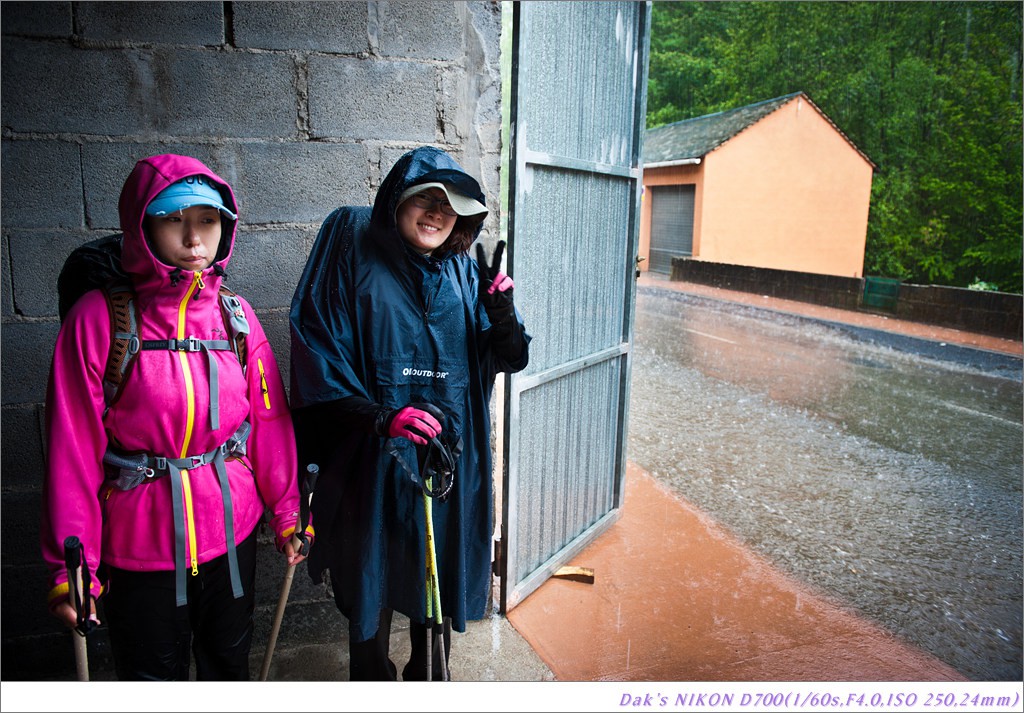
[[676, 598]]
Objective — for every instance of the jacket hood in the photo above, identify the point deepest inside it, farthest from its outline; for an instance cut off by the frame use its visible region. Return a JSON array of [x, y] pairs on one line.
[[149, 177], [423, 165]]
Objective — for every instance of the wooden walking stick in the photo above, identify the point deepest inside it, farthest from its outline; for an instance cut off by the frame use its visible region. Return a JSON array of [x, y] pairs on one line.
[[78, 575], [301, 545]]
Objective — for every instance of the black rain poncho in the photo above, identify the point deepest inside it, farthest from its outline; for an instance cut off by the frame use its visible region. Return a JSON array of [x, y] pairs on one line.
[[373, 319]]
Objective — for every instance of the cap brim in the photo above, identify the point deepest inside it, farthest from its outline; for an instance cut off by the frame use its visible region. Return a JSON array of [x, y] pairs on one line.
[[166, 206], [461, 204]]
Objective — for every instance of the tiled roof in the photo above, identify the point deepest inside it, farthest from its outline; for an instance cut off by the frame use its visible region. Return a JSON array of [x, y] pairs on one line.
[[695, 138]]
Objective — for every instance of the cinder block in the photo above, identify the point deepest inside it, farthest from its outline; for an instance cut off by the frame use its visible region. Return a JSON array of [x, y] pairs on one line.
[[36, 19], [208, 93], [359, 99], [28, 351], [275, 324], [20, 528], [42, 183], [105, 166], [24, 592], [39, 257], [6, 299], [188, 23], [483, 28], [52, 87], [421, 30], [266, 265], [21, 452], [115, 92], [319, 26], [298, 182]]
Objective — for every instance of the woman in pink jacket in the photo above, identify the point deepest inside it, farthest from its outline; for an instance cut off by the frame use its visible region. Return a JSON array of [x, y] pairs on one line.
[[172, 551]]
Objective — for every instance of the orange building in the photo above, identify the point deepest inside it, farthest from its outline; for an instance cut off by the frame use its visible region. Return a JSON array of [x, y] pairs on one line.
[[775, 184]]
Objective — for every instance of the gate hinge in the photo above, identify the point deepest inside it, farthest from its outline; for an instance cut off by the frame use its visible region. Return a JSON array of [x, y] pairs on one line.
[[498, 554]]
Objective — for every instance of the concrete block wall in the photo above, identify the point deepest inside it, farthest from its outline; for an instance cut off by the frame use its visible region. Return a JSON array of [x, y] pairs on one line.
[[996, 313], [301, 106]]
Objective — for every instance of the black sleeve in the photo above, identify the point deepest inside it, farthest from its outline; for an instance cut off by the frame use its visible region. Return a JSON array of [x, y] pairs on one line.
[[506, 333], [357, 413]]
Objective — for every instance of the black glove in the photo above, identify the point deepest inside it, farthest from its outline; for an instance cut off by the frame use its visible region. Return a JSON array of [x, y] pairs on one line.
[[495, 285]]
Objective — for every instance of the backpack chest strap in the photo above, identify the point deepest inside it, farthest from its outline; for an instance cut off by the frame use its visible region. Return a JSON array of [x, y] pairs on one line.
[[192, 344]]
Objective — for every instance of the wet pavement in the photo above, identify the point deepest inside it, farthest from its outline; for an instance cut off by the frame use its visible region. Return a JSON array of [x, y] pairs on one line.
[[888, 478]]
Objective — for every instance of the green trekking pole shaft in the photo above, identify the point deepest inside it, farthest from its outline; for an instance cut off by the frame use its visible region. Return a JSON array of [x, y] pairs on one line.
[[433, 587], [73, 556]]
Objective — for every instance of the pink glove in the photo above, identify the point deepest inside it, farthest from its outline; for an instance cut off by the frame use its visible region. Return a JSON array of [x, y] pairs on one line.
[[502, 283], [412, 423]]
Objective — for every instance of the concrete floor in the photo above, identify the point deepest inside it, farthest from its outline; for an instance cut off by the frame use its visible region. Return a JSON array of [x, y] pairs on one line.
[[490, 650]]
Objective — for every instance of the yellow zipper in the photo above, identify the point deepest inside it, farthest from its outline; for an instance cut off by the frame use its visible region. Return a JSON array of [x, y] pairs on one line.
[[186, 487], [263, 384], [190, 396]]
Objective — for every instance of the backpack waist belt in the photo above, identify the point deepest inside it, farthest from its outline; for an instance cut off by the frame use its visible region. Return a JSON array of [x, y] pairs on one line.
[[136, 469]]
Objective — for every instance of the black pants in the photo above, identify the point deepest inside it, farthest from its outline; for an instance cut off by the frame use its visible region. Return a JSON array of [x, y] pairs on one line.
[[151, 637], [369, 660]]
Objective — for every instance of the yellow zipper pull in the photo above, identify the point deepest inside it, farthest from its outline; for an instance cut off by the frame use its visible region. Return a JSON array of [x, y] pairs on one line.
[[263, 384], [190, 520], [199, 281]]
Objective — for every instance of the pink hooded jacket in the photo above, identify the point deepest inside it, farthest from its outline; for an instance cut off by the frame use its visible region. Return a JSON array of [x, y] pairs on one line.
[[164, 410]]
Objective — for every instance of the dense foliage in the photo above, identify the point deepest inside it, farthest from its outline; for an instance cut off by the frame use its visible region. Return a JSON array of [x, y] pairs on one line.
[[930, 91]]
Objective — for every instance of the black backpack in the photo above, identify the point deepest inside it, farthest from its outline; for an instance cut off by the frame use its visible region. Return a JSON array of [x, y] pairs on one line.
[[97, 264]]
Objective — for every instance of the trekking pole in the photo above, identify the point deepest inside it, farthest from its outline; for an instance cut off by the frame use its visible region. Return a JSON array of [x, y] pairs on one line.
[[433, 594], [429, 587], [74, 559], [301, 545]]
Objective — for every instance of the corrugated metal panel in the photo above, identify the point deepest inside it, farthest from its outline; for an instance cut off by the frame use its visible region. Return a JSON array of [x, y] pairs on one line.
[[580, 219], [566, 453], [579, 76], [582, 59]]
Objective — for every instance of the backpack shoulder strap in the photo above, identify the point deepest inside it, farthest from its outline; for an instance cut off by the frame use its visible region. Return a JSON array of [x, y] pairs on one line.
[[236, 323], [124, 332]]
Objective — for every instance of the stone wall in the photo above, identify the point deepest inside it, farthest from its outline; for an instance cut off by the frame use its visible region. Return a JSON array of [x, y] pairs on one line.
[[301, 106], [996, 313]]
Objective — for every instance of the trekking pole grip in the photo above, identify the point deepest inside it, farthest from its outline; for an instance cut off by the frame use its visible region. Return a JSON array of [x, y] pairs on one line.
[[73, 561], [305, 505]]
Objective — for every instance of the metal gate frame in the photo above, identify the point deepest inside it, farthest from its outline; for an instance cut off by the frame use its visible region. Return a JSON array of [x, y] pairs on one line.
[[583, 511]]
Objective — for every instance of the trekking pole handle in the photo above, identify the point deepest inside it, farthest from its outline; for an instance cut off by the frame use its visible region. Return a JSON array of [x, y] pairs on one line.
[[74, 560], [305, 504]]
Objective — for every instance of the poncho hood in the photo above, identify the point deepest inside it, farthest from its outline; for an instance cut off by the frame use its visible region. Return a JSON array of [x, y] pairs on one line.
[[424, 165]]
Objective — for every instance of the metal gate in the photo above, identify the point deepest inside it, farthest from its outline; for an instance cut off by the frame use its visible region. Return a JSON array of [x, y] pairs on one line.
[[671, 225], [579, 78]]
